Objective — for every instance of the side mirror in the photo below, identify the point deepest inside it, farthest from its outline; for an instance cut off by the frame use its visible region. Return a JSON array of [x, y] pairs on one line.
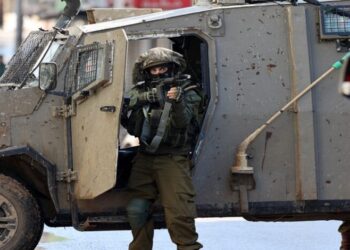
[[344, 85], [47, 76]]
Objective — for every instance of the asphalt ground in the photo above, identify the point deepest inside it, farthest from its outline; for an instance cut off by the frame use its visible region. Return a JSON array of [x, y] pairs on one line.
[[214, 234]]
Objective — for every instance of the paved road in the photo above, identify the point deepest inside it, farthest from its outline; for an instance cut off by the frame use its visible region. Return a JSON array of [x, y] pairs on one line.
[[215, 234]]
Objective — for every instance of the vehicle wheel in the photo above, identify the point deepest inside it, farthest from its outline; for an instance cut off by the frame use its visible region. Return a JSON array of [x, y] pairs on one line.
[[21, 224]]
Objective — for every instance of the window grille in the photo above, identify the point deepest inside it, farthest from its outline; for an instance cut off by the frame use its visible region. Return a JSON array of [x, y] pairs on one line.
[[90, 65], [333, 25]]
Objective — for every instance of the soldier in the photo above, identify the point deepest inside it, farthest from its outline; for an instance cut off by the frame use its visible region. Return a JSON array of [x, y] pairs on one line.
[[165, 118]]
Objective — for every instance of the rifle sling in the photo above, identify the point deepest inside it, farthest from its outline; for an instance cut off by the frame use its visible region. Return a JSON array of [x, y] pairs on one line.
[[154, 145], [157, 139]]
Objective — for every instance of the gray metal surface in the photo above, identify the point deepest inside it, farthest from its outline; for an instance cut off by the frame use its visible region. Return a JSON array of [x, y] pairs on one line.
[[144, 18], [306, 185], [331, 116], [264, 57]]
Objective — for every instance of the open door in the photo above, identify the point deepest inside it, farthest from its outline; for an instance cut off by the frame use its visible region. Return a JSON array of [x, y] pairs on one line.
[[98, 67]]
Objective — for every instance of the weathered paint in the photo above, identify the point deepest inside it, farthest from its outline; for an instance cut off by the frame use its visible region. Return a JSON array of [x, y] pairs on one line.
[[95, 133]]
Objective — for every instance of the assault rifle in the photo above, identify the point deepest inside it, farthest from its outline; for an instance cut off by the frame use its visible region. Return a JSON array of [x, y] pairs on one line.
[[165, 84]]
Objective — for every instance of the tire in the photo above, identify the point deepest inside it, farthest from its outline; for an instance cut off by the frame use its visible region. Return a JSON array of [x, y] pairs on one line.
[[21, 223]]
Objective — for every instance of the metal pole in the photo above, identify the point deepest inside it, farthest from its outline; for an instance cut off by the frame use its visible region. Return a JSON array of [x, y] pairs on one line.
[[19, 13], [241, 162]]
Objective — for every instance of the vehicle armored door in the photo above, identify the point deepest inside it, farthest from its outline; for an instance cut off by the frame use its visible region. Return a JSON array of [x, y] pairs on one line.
[[99, 67]]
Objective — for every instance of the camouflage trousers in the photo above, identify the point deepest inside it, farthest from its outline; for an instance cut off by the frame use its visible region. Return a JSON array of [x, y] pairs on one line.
[[166, 177]]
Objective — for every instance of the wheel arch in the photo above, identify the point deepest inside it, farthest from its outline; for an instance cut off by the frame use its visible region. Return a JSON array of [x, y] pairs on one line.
[[35, 172]]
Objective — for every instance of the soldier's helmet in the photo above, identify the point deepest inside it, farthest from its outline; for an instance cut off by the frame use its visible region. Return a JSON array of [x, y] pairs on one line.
[[156, 57]]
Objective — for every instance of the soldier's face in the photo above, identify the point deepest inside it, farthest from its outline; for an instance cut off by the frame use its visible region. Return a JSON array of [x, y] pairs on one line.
[[158, 70]]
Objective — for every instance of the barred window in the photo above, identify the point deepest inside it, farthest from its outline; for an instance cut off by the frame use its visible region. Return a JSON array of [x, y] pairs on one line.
[[90, 64], [334, 25], [87, 71]]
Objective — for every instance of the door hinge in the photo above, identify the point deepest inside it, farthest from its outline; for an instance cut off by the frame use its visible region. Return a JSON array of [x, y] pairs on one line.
[[67, 176], [63, 111]]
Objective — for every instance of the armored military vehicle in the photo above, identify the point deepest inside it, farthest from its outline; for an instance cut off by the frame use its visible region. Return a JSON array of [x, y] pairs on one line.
[[64, 161]]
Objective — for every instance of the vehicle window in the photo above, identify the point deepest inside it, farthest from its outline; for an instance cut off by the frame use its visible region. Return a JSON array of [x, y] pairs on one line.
[[90, 66]]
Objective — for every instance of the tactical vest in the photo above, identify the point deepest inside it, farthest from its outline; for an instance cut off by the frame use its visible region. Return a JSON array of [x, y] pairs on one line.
[[145, 122]]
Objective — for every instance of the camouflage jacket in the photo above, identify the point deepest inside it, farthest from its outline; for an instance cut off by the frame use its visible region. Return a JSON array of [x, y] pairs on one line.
[[182, 125]]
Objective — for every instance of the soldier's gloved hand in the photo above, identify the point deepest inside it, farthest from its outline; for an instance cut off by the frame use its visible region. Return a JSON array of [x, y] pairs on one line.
[[149, 96], [175, 94]]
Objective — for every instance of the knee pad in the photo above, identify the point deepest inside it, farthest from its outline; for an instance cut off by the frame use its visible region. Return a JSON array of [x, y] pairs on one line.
[[138, 212]]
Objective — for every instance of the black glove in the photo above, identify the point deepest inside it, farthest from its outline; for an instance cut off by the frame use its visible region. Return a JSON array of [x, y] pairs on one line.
[[180, 94], [149, 96]]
